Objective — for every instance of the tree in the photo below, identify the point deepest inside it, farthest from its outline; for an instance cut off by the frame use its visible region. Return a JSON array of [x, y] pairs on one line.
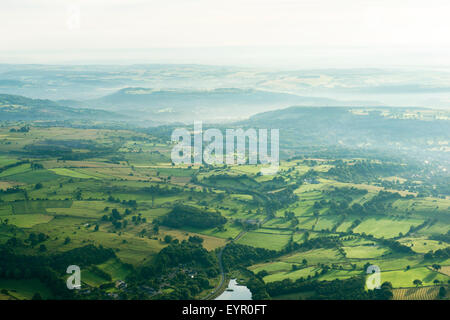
[[41, 237], [168, 239], [436, 267], [387, 285], [195, 239], [417, 282], [42, 248], [36, 166]]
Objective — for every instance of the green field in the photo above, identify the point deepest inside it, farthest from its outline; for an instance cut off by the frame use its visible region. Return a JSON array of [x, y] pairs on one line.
[[384, 227], [405, 278], [364, 252], [265, 240], [72, 173]]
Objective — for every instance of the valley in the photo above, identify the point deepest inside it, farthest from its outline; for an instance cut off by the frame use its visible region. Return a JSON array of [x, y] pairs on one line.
[[68, 192]]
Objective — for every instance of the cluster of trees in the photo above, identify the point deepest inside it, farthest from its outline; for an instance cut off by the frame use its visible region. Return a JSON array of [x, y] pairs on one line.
[[235, 255], [441, 237], [379, 204], [348, 289], [138, 219], [258, 288], [117, 219], [273, 184], [185, 287], [36, 166], [393, 245], [33, 239], [186, 253], [11, 190], [281, 199], [21, 129], [162, 191], [182, 266], [432, 183], [182, 215], [438, 254], [364, 171], [321, 242], [131, 203], [67, 149], [345, 193]]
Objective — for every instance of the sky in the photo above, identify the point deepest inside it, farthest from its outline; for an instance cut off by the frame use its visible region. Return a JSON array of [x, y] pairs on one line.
[[315, 33]]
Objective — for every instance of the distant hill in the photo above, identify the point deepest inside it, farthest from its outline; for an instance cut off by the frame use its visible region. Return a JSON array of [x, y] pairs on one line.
[[206, 105], [417, 132], [16, 108]]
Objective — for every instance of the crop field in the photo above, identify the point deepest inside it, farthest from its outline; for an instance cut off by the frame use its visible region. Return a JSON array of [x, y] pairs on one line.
[[423, 293]]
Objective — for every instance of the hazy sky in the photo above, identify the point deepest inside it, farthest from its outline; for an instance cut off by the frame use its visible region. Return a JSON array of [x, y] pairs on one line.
[[364, 32]]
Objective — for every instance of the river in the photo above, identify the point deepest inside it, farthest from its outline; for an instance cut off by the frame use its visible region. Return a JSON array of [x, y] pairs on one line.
[[238, 292]]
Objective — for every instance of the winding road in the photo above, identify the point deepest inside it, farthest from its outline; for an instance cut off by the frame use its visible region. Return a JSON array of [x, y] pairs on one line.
[[222, 276], [222, 273]]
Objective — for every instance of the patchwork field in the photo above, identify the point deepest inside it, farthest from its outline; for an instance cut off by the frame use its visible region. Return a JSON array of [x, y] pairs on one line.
[[62, 189]]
